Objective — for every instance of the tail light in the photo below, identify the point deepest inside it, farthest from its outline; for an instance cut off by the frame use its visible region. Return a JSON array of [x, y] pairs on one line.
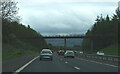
[[41, 53], [73, 53], [66, 53]]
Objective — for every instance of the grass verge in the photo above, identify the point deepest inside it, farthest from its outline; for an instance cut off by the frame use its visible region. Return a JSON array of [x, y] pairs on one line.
[[111, 50], [10, 52]]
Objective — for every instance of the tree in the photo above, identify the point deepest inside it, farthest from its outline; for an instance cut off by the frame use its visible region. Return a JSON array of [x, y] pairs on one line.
[[107, 18], [50, 45], [28, 26], [9, 10], [118, 12]]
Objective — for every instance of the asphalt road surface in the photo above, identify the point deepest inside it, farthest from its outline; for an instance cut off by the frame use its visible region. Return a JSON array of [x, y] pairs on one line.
[[61, 64]]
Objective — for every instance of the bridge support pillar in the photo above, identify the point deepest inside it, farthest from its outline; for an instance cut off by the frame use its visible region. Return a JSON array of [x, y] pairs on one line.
[[65, 43]]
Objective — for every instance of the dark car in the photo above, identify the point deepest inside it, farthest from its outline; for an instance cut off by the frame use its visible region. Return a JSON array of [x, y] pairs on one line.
[[46, 54], [75, 52], [58, 52], [61, 52]]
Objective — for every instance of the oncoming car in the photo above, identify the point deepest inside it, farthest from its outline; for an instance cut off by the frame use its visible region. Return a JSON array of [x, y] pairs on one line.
[[46, 54], [69, 53], [100, 53], [81, 52]]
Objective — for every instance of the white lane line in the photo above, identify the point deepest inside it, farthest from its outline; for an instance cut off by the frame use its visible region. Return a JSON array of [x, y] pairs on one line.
[[100, 63], [66, 62], [18, 70], [110, 65], [77, 68]]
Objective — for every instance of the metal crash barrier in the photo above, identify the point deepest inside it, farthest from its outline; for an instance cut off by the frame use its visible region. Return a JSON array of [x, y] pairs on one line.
[[101, 57]]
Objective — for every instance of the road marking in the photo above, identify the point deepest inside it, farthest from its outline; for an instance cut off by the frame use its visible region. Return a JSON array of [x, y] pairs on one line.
[[21, 68], [100, 63], [66, 62], [77, 68], [110, 65]]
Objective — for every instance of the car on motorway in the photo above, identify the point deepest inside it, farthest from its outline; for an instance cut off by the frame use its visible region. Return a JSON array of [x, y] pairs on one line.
[[69, 53], [75, 52], [46, 54], [57, 51], [100, 53], [61, 52], [81, 52]]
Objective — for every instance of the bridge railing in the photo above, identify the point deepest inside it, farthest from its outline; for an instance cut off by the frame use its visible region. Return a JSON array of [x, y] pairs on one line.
[[101, 57], [61, 35]]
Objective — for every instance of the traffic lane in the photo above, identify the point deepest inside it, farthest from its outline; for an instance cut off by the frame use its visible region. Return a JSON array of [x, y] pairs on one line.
[[61, 64], [56, 65], [88, 66]]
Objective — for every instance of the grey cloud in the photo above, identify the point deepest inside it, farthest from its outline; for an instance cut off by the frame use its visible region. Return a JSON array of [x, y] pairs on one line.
[[63, 18]]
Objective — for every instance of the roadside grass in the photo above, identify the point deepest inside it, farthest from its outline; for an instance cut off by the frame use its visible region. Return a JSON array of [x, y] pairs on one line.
[[10, 52], [16, 53], [111, 50]]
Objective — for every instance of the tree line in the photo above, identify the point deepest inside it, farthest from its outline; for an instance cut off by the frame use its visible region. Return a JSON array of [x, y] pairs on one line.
[[16, 34], [103, 33]]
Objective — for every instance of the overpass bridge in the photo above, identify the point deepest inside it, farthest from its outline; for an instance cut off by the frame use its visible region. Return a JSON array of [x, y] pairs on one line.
[[64, 37], [72, 37], [78, 36]]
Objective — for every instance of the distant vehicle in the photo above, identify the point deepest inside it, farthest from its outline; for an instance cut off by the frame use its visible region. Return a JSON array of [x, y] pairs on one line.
[[81, 52], [61, 52], [57, 51], [75, 52], [100, 53], [69, 53], [46, 54]]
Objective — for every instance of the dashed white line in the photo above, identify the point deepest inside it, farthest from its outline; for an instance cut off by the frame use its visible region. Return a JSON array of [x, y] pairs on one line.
[[77, 68], [17, 71]]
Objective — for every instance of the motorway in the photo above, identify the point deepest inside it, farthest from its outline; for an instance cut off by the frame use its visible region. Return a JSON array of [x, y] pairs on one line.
[[61, 64]]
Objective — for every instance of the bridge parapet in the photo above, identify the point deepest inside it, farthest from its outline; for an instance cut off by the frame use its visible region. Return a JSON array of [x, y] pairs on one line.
[[64, 36]]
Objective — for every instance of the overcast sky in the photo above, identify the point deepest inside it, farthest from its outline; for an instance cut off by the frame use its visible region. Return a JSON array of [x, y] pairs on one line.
[[50, 18]]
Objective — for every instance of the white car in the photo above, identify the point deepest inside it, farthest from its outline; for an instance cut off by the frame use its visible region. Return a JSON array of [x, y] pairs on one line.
[[100, 53], [46, 54], [81, 52], [69, 53]]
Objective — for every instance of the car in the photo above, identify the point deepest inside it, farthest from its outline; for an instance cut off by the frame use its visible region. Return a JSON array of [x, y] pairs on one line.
[[46, 49], [81, 52], [75, 52], [46, 54], [61, 52], [100, 53], [57, 51], [69, 53], [52, 51]]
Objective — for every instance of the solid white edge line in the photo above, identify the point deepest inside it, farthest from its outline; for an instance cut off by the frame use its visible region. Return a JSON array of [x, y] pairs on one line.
[[21, 68]]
